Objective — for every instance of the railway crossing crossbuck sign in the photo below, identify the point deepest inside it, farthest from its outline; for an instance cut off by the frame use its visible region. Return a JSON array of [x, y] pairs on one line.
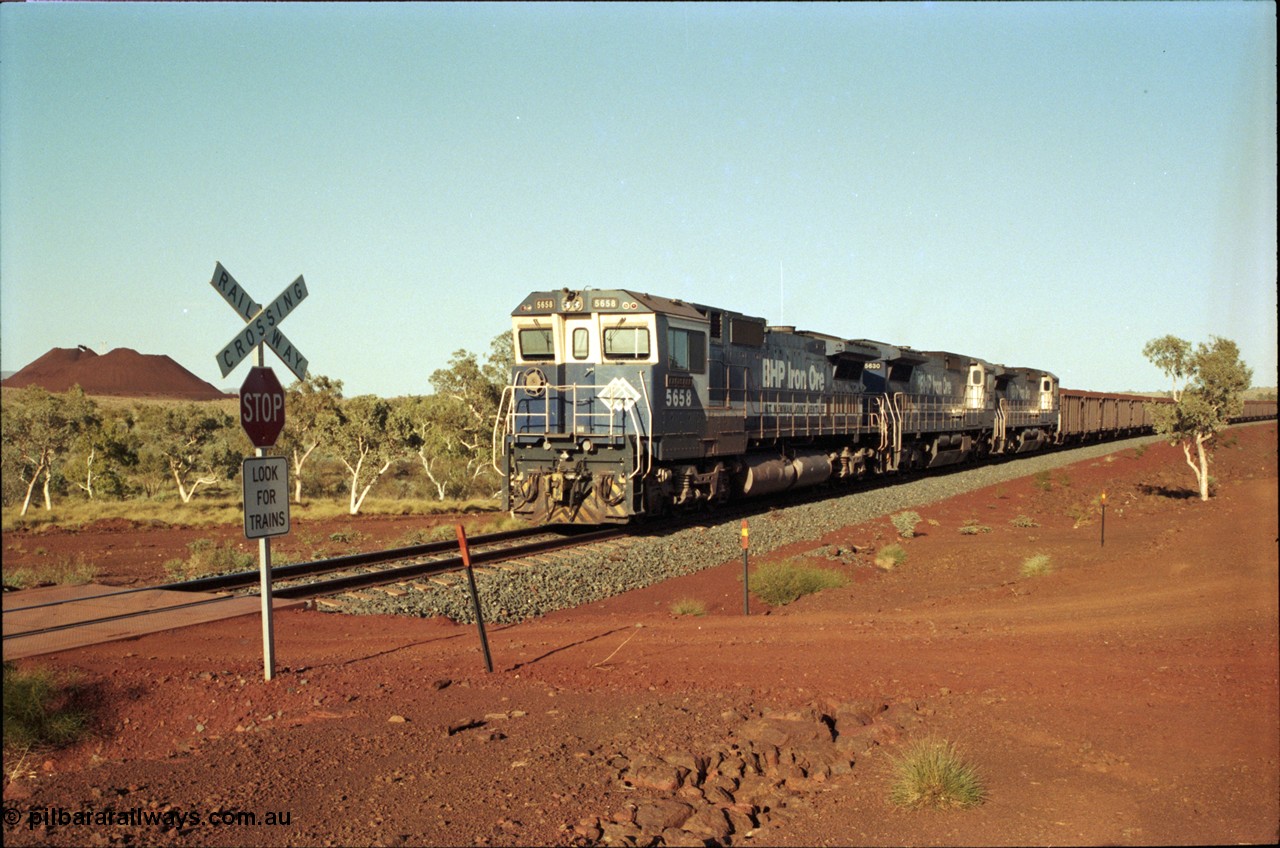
[[266, 478], [262, 324]]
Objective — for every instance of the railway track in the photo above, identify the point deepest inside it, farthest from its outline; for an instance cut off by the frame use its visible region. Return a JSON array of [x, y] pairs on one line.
[[353, 572], [318, 578], [407, 565]]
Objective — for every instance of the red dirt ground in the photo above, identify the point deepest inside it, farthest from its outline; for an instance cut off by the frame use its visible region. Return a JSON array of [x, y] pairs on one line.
[[1130, 697]]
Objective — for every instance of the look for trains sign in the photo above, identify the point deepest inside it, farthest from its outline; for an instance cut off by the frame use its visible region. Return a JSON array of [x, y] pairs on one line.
[[266, 496]]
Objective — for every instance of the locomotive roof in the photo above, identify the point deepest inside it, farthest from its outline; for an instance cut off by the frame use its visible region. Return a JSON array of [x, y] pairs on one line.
[[1033, 373], [844, 348], [961, 360], [598, 300], [894, 353]]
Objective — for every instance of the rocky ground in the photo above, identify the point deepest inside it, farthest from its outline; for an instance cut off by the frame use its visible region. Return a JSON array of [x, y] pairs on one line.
[[1129, 696]]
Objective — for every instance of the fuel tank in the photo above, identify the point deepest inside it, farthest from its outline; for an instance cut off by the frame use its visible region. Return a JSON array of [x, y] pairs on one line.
[[767, 474]]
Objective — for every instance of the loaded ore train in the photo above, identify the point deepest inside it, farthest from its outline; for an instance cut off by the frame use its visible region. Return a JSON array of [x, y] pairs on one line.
[[623, 405]]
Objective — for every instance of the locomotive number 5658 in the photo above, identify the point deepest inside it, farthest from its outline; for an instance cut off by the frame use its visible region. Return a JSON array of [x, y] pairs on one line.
[[678, 398]]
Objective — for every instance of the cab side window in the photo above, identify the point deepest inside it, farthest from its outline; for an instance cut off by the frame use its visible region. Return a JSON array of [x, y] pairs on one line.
[[686, 350]]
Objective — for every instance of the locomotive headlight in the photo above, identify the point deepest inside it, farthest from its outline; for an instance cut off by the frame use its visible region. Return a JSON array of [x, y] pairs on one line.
[[587, 446], [546, 444]]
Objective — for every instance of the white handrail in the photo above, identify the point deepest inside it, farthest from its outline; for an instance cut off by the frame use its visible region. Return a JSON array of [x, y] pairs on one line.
[[500, 421], [648, 439]]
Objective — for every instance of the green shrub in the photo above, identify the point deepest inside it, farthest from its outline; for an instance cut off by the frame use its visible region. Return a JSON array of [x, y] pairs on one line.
[[348, 537], [1043, 481], [38, 710], [1082, 513], [19, 578], [905, 523], [65, 572], [930, 773], [282, 556], [779, 583], [418, 536], [688, 606], [971, 527], [1024, 521], [890, 557], [1034, 566], [208, 559]]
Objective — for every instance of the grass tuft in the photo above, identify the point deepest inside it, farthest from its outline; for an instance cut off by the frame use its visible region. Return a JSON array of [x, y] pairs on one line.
[[208, 559], [37, 711], [930, 773], [65, 572], [1024, 521], [1036, 566], [688, 606], [779, 583], [890, 557], [905, 523], [971, 527]]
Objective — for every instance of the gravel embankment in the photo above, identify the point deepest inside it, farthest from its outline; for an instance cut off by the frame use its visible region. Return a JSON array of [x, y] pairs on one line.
[[600, 572]]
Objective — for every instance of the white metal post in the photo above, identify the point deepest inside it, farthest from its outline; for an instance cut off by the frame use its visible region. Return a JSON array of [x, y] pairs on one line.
[[264, 563]]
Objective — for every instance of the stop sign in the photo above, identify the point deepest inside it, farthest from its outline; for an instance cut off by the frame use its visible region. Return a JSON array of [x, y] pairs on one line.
[[262, 407]]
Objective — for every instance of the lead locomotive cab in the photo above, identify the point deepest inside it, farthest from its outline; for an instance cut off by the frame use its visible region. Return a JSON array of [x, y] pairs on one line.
[[596, 375]]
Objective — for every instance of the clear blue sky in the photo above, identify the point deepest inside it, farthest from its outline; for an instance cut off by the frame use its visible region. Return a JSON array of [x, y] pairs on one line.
[[1048, 185]]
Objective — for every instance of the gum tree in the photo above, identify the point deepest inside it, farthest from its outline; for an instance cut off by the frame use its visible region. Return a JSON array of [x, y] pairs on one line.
[[468, 394], [367, 439], [190, 443], [310, 421], [39, 428], [105, 450], [432, 425], [1209, 381]]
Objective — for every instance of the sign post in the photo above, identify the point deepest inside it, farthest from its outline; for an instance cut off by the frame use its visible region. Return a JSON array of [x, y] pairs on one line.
[[465, 549], [746, 593], [265, 478], [1102, 537]]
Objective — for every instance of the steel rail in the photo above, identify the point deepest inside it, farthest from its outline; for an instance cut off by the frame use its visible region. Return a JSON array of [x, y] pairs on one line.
[[71, 625], [362, 579], [240, 579], [453, 563]]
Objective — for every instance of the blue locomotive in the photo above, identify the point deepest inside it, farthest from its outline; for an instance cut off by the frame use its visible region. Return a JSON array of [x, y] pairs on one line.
[[624, 405]]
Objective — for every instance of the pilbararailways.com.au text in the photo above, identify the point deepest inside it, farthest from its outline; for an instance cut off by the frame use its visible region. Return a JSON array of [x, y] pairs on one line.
[[140, 817]]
